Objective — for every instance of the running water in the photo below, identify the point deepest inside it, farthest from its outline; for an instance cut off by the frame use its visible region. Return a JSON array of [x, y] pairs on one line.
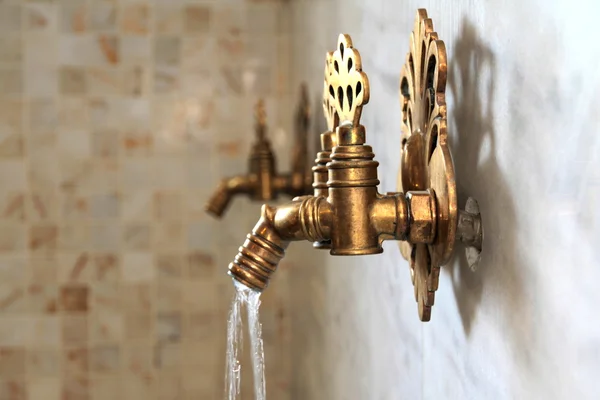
[[235, 340], [256, 346]]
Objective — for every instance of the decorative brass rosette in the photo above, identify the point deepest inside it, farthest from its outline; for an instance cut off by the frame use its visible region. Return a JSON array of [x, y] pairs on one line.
[[426, 159], [347, 84]]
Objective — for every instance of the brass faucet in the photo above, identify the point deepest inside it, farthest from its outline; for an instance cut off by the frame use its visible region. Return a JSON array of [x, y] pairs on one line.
[[263, 182], [347, 214]]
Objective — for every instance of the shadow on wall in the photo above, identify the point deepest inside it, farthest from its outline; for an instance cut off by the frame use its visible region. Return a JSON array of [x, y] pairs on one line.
[[472, 83]]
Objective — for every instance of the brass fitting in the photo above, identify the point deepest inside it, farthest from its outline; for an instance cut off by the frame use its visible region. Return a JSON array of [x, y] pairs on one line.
[[346, 211], [263, 182]]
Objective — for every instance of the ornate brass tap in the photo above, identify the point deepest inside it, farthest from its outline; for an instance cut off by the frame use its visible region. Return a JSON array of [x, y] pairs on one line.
[[347, 213], [263, 182]]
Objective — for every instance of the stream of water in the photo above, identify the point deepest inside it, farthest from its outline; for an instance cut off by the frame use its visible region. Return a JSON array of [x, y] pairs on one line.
[[235, 339]]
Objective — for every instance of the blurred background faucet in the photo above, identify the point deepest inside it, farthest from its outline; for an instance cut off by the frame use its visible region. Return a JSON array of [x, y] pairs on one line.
[[263, 182]]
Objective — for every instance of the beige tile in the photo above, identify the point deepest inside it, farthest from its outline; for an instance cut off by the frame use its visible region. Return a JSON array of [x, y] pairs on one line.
[[44, 362], [168, 19], [103, 16], [42, 116], [106, 327], [11, 81], [137, 143], [13, 268], [137, 297], [169, 327], [136, 236], [73, 16], [138, 326], [76, 386], [107, 267], [43, 238], [135, 50], [106, 297], [169, 266], [166, 80], [44, 389], [10, 17], [168, 297], [40, 49], [12, 207], [167, 205], [74, 330], [167, 50], [201, 265], [138, 267], [42, 270], [11, 50], [168, 357], [137, 205], [12, 361], [73, 113], [170, 386], [41, 206], [13, 237], [75, 360], [12, 299], [135, 19], [41, 17], [105, 237], [74, 237], [105, 143], [139, 386], [75, 267], [169, 236], [72, 81], [105, 359], [136, 81], [74, 298], [106, 388], [197, 19], [13, 389], [46, 331], [42, 298]]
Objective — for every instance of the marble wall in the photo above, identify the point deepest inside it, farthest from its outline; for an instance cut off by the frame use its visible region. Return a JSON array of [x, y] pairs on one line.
[[117, 118], [524, 124]]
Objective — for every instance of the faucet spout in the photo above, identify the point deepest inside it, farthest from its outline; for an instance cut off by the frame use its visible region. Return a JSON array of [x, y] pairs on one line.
[[306, 218], [219, 201]]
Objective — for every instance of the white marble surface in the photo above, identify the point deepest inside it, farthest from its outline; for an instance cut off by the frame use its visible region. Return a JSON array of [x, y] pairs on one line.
[[524, 125]]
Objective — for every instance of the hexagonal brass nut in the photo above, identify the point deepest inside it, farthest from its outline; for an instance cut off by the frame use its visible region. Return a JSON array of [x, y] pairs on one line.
[[422, 211]]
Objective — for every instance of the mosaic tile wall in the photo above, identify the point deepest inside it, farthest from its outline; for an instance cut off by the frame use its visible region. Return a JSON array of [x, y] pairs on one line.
[[116, 120]]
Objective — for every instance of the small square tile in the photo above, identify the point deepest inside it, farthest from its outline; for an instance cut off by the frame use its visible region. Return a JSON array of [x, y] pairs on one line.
[[167, 50], [166, 80], [105, 143], [137, 205], [13, 269], [76, 387], [46, 331], [168, 327], [41, 206], [106, 297], [73, 113], [74, 330], [139, 386], [135, 50], [13, 389], [170, 386], [106, 327], [201, 265], [168, 19], [137, 143], [10, 18], [12, 299], [137, 297], [105, 359], [72, 81], [137, 236], [43, 238], [138, 267], [44, 362], [41, 81], [135, 19], [12, 361], [74, 237], [41, 17], [42, 115], [104, 81], [167, 205], [74, 207], [74, 267], [138, 326], [76, 360], [103, 16], [11, 50], [168, 266], [13, 207], [106, 388], [42, 270], [197, 19], [74, 298], [169, 236], [169, 298], [136, 81], [44, 389], [41, 49], [73, 16], [105, 237], [42, 298], [107, 267], [12, 237], [11, 81], [104, 206], [168, 356]]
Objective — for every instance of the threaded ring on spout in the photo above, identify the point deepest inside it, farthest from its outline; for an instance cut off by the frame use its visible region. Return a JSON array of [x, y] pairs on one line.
[[256, 261]]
